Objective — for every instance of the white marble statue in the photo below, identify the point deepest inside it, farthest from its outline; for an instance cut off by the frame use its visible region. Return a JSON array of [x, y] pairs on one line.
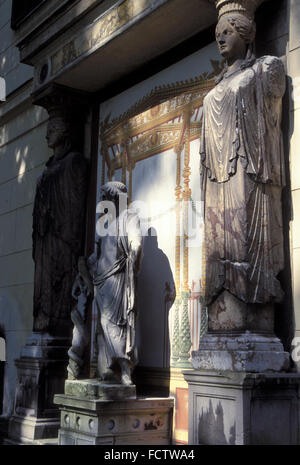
[[113, 269]]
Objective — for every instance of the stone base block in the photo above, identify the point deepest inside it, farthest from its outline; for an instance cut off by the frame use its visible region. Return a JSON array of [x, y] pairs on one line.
[[246, 352], [41, 374], [228, 313], [25, 429], [133, 421], [95, 389], [45, 346], [36, 442], [243, 408]]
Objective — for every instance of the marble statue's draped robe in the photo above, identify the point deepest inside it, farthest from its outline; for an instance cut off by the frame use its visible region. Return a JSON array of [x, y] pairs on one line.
[[58, 226], [114, 274], [242, 170]]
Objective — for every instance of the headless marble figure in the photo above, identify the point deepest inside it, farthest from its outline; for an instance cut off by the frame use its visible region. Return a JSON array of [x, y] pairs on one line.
[[111, 337], [114, 268]]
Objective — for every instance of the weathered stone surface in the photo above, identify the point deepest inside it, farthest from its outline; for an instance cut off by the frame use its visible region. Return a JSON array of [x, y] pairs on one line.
[[94, 422], [246, 352], [58, 226], [112, 269], [82, 291], [295, 144], [243, 408], [243, 168], [45, 346], [98, 38], [227, 313], [242, 174], [95, 389], [26, 430], [41, 374]]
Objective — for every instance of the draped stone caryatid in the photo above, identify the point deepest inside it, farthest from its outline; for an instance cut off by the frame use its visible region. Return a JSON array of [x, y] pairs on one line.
[[242, 175], [58, 240], [58, 227], [112, 269], [241, 386]]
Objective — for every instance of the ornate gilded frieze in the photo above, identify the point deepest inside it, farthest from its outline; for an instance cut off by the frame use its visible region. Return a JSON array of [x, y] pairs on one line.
[[147, 132], [101, 31]]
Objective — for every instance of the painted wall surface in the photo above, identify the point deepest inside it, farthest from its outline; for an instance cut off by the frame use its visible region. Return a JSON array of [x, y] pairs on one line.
[[23, 151], [293, 58], [150, 135]]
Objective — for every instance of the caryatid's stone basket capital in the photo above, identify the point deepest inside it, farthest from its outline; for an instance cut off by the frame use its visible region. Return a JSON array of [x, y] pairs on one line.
[[244, 7]]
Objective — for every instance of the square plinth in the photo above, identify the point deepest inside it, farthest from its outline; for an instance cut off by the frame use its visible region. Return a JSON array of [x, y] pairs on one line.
[[87, 421], [243, 408], [96, 389]]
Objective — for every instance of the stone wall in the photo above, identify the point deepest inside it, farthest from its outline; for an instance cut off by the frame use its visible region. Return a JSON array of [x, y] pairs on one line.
[[23, 152]]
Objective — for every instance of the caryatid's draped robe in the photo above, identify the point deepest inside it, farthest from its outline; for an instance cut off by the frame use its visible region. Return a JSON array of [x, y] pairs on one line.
[[58, 227], [242, 169]]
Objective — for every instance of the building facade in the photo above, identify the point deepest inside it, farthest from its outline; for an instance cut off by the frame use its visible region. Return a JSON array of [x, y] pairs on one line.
[[142, 69]]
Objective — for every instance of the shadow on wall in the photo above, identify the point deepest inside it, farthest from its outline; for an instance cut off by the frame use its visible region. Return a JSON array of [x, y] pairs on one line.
[[211, 427], [156, 294]]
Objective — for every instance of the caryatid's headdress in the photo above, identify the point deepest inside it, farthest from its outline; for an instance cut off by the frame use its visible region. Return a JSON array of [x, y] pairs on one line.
[[244, 7]]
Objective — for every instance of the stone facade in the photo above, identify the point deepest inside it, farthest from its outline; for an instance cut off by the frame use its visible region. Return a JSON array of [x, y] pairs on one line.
[[79, 46], [23, 152]]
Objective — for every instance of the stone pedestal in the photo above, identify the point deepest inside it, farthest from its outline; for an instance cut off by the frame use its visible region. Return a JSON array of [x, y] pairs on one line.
[[41, 374], [240, 337], [94, 413], [240, 391], [246, 352], [243, 408]]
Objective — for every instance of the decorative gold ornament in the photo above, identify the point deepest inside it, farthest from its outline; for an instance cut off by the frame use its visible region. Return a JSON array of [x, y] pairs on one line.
[[244, 7]]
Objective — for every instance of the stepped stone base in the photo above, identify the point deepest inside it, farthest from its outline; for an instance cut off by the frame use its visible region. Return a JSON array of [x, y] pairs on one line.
[[41, 374], [37, 442], [245, 352]]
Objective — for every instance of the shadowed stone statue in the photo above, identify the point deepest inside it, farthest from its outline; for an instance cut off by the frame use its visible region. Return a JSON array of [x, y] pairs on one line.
[[242, 165], [58, 226], [242, 174], [113, 269]]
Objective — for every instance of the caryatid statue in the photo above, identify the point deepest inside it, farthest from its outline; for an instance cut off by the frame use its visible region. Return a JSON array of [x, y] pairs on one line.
[[242, 169], [58, 229], [112, 269]]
